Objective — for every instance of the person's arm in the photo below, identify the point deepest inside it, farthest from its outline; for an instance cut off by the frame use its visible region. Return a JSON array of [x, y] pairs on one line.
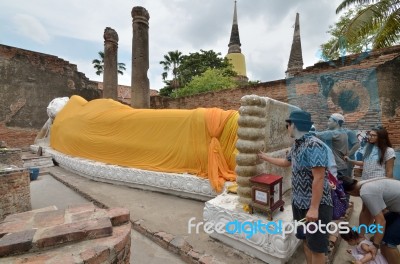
[[389, 168], [378, 236], [354, 148], [368, 256], [276, 161], [316, 195], [365, 218], [355, 162]]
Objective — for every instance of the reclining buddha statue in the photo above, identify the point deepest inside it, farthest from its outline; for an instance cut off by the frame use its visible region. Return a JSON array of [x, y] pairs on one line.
[[200, 142]]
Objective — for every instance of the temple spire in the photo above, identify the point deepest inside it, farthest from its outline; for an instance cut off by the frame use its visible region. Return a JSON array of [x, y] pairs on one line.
[[235, 55], [234, 42], [295, 64]]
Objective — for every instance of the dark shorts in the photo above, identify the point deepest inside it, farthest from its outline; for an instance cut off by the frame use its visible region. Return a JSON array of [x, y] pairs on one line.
[[392, 233], [317, 242]]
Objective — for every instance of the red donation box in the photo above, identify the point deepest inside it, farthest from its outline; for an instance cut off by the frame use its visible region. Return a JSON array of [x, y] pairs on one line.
[[266, 194]]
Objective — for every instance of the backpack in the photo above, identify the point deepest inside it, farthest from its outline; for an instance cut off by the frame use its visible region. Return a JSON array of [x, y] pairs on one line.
[[339, 199]]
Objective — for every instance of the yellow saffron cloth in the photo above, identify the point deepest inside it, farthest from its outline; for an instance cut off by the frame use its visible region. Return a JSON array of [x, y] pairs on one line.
[[200, 141]]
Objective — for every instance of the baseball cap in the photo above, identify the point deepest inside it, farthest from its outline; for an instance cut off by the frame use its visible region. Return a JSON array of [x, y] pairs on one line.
[[300, 116], [337, 117]]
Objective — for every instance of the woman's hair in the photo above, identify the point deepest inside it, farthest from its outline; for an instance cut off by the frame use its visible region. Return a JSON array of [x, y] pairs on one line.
[[349, 184], [351, 235], [382, 142]]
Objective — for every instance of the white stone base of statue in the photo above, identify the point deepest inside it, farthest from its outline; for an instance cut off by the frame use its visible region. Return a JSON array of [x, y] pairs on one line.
[[271, 248], [183, 185]]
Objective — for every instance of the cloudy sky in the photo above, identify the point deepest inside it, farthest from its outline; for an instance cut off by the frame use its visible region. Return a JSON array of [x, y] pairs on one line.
[[73, 30]]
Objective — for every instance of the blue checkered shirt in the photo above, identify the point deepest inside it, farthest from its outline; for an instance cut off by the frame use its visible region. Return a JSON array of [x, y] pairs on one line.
[[308, 152]]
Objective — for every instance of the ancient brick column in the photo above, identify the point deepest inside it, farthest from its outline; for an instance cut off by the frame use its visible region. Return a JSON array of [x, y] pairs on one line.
[[110, 73], [140, 58]]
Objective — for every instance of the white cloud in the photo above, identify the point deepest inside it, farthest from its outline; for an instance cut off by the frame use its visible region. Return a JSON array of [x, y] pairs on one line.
[[30, 27], [186, 25]]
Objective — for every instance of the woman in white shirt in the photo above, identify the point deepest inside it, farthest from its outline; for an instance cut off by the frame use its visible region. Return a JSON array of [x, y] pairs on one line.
[[378, 161], [378, 156]]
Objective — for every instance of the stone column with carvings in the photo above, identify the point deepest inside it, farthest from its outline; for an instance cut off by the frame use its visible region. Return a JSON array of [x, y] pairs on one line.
[[110, 73], [251, 137], [140, 58]]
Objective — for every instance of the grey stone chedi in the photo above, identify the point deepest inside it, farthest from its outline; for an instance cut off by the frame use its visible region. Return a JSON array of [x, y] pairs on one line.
[[295, 64]]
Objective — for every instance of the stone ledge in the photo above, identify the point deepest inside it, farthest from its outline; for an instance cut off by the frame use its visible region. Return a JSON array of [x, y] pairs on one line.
[[177, 245], [118, 216], [183, 185], [112, 249], [269, 247], [72, 232], [48, 228], [17, 242]]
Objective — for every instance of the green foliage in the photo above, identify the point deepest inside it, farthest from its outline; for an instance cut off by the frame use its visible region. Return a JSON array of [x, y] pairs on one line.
[[186, 67], [197, 63], [98, 64], [171, 62], [251, 83], [337, 46], [210, 80], [167, 90], [375, 21]]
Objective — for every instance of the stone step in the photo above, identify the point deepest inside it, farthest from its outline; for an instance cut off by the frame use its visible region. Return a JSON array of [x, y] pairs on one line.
[[89, 234], [33, 160]]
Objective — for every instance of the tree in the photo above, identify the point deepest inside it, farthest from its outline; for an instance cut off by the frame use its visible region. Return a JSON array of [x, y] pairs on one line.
[[190, 66], [197, 63], [210, 80], [337, 46], [377, 18], [171, 62], [99, 65]]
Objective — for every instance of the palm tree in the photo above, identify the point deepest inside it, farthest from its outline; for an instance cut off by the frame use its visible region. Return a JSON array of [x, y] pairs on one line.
[[172, 61], [99, 65], [380, 16]]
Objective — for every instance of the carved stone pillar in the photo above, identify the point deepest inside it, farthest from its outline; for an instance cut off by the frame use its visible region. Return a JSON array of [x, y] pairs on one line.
[[140, 58], [251, 136], [110, 73]]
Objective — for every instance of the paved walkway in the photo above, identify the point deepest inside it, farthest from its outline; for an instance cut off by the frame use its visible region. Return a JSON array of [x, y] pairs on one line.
[[46, 191], [155, 215]]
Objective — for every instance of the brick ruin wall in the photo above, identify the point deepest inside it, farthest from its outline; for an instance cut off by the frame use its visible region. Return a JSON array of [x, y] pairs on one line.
[[15, 193], [370, 85], [28, 82], [366, 91], [225, 99], [11, 156]]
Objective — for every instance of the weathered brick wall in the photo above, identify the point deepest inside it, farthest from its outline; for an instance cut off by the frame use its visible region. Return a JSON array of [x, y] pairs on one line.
[[226, 99], [30, 80], [353, 92], [15, 194], [11, 157], [392, 124], [365, 87], [17, 137]]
